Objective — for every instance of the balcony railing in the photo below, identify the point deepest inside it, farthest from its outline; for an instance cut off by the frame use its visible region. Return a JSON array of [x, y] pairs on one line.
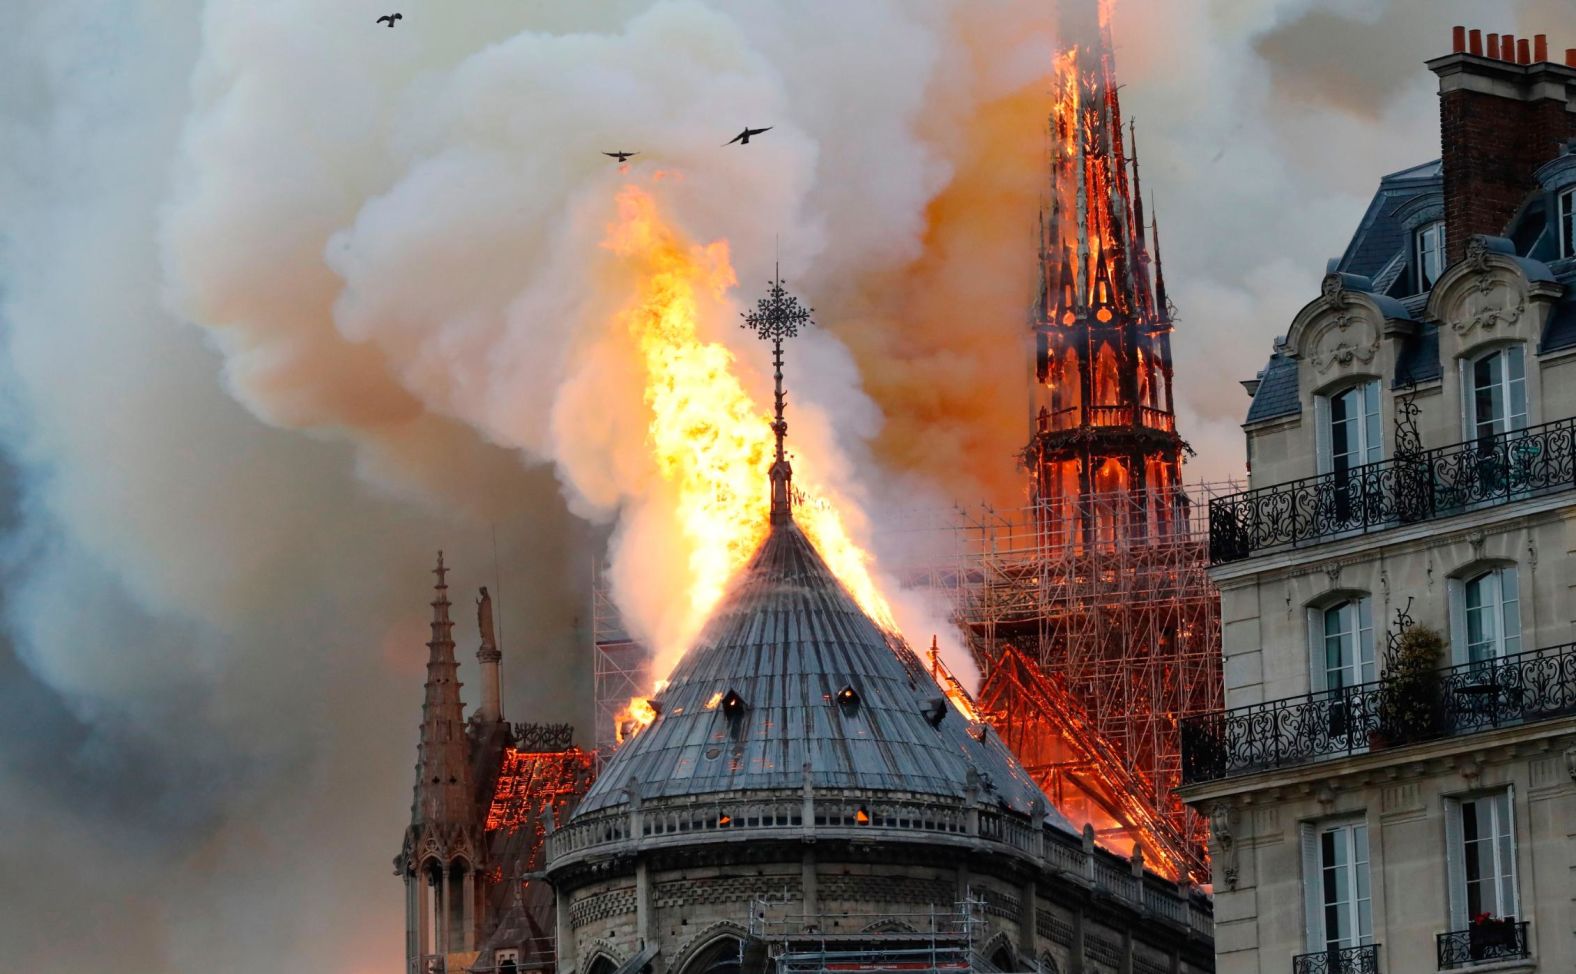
[[1493, 940], [1344, 960], [1535, 685], [1491, 470], [1071, 417]]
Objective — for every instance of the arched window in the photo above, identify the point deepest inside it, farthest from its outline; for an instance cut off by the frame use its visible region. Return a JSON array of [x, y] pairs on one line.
[[1486, 615], [1348, 428], [1107, 381], [1143, 379], [721, 956], [1495, 386], [1341, 644], [1428, 254]]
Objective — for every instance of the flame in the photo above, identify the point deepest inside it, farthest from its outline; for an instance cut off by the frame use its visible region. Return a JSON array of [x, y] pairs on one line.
[[709, 439], [635, 717], [716, 698]]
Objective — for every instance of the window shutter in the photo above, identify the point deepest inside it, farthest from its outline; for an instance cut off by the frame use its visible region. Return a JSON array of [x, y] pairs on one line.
[[1455, 865], [1456, 592], [1312, 887]]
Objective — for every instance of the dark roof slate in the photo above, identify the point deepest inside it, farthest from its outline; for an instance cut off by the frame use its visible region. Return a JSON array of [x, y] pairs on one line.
[[1276, 395], [1381, 236], [788, 638]]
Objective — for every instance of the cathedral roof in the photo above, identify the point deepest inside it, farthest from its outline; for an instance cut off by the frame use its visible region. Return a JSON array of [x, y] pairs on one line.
[[789, 674]]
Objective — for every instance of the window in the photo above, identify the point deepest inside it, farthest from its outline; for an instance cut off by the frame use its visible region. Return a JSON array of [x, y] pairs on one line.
[[1481, 857], [1336, 897], [1428, 250], [1350, 430], [1496, 393], [1486, 616], [1341, 637], [1567, 223]]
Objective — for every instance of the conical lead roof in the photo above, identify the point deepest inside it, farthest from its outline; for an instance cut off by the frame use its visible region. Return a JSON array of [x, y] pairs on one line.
[[764, 693]]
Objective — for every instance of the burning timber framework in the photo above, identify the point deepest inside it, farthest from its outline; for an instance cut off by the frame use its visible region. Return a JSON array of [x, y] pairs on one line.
[[1090, 654], [1126, 643]]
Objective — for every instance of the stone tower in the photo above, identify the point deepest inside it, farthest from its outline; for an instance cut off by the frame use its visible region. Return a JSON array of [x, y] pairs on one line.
[[443, 844], [1103, 420]]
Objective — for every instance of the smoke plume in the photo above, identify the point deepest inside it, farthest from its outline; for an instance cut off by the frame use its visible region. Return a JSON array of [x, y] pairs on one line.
[[289, 300]]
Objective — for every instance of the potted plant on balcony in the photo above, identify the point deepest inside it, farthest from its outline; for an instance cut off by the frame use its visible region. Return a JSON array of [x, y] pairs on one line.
[[1410, 699], [1490, 935]]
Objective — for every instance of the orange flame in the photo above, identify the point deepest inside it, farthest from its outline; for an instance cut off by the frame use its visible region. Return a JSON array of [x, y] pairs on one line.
[[709, 439], [635, 717]]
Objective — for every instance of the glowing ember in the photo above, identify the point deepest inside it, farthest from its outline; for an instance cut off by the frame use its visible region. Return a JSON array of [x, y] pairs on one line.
[[710, 441]]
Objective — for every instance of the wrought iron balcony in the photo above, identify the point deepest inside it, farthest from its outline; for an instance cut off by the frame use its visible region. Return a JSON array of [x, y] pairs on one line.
[[1345, 960], [1428, 484], [1492, 940], [1536, 685]]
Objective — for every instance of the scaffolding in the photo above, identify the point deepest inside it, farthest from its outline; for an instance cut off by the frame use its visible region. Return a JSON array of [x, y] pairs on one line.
[[1122, 622], [620, 666], [795, 942]]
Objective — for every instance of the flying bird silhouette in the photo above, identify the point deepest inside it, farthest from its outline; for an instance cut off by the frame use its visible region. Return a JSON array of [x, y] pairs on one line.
[[390, 18], [743, 138], [621, 156]]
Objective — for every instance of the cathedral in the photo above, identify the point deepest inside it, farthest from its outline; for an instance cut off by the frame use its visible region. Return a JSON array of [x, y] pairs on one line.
[[808, 798]]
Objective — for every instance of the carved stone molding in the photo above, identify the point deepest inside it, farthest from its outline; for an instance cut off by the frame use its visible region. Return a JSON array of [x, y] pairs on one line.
[[1345, 340], [1494, 303], [1223, 819]]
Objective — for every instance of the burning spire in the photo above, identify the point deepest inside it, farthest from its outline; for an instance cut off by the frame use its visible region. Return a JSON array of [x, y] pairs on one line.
[[1103, 421], [777, 316]]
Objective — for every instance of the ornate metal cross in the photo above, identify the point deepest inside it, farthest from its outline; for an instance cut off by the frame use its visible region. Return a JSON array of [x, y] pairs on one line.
[[777, 316]]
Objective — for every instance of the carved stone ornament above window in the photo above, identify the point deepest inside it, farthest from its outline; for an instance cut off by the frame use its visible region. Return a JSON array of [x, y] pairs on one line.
[[1494, 303], [1343, 340]]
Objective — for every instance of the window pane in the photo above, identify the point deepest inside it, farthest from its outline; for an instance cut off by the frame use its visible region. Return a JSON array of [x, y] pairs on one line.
[[1510, 611], [1338, 645], [1342, 415], [1480, 617], [1487, 394], [1370, 396]]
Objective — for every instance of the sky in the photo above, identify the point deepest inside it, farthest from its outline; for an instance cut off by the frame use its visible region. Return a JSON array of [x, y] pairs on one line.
[[288, 301]]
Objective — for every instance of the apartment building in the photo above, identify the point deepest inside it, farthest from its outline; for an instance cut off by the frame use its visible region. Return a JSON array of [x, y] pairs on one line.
[[1392, 785]]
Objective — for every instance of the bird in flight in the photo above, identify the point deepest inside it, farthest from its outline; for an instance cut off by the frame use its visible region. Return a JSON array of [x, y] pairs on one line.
[[743, 138], [390, 18], [621, 156]]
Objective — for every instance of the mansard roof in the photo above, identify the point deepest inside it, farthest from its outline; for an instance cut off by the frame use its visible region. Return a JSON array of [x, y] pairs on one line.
[[1379, 260], [789, 674]]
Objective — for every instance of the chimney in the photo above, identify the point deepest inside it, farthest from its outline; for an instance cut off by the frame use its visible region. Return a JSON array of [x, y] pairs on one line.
[[1501, 115]]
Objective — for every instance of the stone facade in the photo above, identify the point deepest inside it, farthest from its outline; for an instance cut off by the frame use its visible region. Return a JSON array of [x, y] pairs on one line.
[[1346, 839], [686, 898]]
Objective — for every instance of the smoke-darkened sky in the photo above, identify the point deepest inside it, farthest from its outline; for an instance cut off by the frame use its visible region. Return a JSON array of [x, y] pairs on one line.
[[289, 300]]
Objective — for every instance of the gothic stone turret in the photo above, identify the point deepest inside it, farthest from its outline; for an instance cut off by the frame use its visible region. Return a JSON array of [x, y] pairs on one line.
[[1103, 413], [443, 846]]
